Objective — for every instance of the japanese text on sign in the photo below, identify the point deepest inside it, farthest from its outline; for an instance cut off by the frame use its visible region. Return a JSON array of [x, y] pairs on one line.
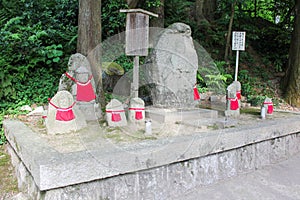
[[238, 41]]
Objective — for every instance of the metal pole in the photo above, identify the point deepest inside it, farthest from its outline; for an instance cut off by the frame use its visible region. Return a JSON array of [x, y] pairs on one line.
[[135, 79], [236, 65]]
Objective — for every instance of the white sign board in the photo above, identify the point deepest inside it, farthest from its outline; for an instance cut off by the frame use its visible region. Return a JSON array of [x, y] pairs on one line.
[[238, 41]]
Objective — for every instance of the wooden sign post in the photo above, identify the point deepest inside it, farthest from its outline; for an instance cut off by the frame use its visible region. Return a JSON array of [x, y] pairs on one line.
[[137, 40], [238, 44]]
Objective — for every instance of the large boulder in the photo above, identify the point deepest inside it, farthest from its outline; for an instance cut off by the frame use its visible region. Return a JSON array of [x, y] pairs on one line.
[[171, 68]]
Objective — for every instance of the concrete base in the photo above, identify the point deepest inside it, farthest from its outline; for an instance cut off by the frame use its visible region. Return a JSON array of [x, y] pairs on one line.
[[164, 115], [85, 165]]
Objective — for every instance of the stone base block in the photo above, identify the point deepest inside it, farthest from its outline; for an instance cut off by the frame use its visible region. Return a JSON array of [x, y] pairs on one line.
[[164, 115]]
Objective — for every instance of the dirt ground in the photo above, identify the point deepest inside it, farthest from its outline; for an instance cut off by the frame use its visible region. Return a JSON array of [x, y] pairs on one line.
[[8, 183]]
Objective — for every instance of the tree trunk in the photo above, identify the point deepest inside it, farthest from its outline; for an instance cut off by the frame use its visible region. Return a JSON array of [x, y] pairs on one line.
[[199, 11], [132, 3], [293, 73], [209, 9], [204, 10], [227, 48], [89, 38]]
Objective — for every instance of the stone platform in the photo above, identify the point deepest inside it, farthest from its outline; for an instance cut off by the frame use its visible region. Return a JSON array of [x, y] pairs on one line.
[[164, 115], [85, 165]]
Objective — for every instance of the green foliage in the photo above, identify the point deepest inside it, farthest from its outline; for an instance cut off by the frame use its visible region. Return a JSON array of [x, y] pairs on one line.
[[39, 87], [178, 11], [152, 3], [113, 22], [256, 100], [125, 61], [213, 79], [246, 82], [37, 37], [31, 54], [36, 40]]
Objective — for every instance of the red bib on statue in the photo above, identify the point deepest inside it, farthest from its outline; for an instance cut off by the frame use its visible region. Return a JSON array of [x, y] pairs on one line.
[[238, 95], [270, 107], [234, 104], [115, 117], [138, 113], [196, 94], [64, 114], [85, 91]]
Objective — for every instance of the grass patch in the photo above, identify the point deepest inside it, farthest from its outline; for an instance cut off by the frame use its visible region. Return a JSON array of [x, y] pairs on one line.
[[8, 183], [250, 111]]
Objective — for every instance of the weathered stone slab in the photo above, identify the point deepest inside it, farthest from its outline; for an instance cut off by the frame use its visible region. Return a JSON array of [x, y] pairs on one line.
[[163, 115], [246, 159], [227, 164], [102, 161]]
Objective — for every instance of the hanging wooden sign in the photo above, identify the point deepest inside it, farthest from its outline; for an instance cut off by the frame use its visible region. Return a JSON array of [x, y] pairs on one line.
[[137, 32]]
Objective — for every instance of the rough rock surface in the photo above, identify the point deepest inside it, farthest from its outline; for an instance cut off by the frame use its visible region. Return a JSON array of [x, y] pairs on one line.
[[172, 68]]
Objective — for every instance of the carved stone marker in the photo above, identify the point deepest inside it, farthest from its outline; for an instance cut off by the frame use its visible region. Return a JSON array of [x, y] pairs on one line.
[[172, 68], [136, 112], [233, 102], [115, 113], [63, 115], [79, 81]]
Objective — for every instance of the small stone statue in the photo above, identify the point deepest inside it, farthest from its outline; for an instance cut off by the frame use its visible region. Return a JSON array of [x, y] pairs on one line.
[[115, 113], [233, 99], [63, 115], [136, 112]]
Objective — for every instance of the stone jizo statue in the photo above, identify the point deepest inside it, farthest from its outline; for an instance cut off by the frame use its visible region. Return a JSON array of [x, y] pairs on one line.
[[63, 115]]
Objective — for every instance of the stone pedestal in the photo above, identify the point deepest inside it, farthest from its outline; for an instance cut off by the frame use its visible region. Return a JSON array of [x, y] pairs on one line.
[[86, 166]]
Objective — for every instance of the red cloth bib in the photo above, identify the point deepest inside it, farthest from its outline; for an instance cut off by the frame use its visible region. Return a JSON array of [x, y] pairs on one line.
[[238, 95], [64, 114], [270, 107], [196, 93], [234, 103], [85, 91], [138, 113], [115, 115]]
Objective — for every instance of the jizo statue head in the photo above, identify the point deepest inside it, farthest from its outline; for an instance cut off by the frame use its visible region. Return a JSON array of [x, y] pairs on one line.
[[82, 74]]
